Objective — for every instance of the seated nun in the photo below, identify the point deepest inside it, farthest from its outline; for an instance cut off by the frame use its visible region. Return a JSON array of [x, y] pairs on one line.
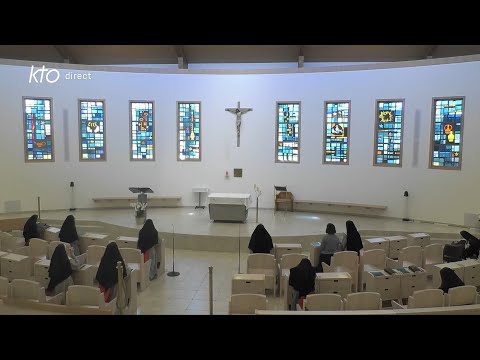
[[60, 271], [147, 244], [107, 274], [449, 279], [68, 234], [260, 241], [302, 280]]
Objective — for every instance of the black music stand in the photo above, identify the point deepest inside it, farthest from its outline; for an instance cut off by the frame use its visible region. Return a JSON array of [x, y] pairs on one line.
[[142, 195]]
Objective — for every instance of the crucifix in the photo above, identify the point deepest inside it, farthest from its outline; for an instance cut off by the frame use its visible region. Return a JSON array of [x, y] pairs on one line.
[[238, 111]]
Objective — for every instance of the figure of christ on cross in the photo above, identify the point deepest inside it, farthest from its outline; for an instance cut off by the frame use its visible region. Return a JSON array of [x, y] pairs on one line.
[[238, 111]]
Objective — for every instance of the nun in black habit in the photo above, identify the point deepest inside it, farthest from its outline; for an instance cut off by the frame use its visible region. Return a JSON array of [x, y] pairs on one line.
[[107, 274], [260, 241], [302, 279], [473, 249], [61, 270], [147, 243], [354, 240], [68, 234], [30, 229], [449, 279]]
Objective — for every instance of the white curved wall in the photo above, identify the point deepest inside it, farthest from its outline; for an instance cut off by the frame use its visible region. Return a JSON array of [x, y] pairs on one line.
[[436, 195]]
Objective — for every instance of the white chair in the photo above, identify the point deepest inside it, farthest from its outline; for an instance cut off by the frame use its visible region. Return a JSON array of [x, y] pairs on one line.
[[287, 262], [323, 302], [410, 255], [363, 301], [264, 264], [81, 295], [241, 304], [134, 259], [10, 243], [4, 287], [17, 233], [36, 250], [371, 260], [95, 254], [426, 299], [462, 295], [432, 255], [344, 261], [21, 289]]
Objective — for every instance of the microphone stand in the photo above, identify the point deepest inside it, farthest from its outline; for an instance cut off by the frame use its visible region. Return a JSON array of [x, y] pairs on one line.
[[173, 272]]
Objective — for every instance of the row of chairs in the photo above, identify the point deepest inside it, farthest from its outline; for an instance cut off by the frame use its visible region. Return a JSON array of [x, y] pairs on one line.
[[9, 242], [267, 265], [133, 258], [334, 302], [246, 304], [425, 258], [39, 249], [457, 296], [26, 290], [76, 295]]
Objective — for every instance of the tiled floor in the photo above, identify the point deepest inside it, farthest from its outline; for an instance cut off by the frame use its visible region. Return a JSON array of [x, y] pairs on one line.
[[189, 292]]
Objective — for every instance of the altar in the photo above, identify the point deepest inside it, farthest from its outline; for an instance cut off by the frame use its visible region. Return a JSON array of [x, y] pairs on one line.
[[228, 206]]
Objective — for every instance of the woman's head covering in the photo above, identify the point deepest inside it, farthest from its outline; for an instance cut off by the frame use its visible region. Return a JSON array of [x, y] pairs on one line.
[[260, 241], [449, 279], [30, 229], [107, 274], [302, 277], [473, 249], [60, 267], [330, 229], [68, 232], [147, 237], [354, 240]]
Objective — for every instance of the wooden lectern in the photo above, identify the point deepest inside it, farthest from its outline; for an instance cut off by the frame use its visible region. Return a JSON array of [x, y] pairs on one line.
[[282, 196]]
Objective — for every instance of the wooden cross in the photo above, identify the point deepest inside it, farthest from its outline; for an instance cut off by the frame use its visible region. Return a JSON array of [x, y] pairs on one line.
[[238, 111]]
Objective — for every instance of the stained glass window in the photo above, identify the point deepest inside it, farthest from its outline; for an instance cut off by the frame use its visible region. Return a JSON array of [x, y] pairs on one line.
[[38, 122], [92, 130], [337, 119], [142, 131], [388, 132], [188, 130], [446, 145], [288, 132]]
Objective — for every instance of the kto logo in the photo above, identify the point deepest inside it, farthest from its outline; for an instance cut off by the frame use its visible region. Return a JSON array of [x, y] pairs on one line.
[[50, 75]]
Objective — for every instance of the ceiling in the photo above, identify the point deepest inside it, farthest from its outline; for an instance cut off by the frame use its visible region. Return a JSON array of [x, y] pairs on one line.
[[198, 54]]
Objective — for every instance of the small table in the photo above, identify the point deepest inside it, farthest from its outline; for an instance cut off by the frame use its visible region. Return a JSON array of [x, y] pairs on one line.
[[471, 275], [127, 242], [88, 239], [85, 275], [396, 244], [377, 243], [15, 266], [200, 190], [248, 284], [333, 283], [51, 234], [388, 286], [419, 239], [40, 271], [282, 249], [411, 281]]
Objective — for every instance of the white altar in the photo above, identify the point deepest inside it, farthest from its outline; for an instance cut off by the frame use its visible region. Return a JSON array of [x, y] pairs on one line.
[[229, 206]]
